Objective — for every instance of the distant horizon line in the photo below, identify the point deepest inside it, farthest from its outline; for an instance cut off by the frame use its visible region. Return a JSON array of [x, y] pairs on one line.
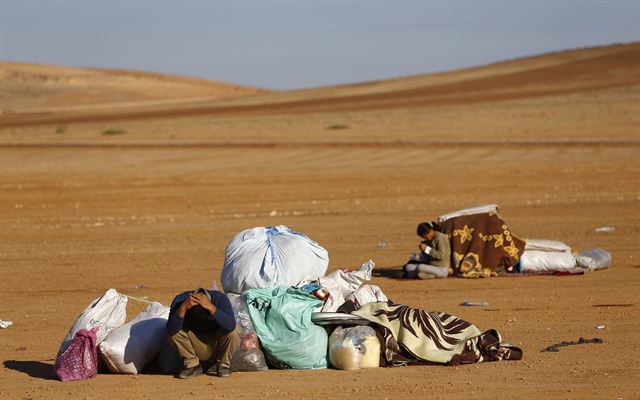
[[340, 84]]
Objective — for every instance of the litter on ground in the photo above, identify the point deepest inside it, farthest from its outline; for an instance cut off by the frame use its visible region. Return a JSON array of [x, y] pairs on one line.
[[5, 324]]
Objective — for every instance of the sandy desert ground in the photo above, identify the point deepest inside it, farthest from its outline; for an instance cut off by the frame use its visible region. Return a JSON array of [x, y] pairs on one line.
[[128, 189]]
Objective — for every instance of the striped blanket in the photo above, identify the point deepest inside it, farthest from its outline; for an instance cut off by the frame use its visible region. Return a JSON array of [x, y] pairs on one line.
[[412, 335]]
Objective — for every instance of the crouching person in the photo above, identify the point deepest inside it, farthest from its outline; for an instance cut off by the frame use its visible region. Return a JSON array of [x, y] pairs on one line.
[[202, 327], [434, 258]]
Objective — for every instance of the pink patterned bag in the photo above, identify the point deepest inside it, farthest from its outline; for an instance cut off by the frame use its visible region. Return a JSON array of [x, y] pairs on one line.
[[80, 360]]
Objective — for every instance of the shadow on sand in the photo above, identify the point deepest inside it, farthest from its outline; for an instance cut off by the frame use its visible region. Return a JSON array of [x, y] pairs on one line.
[[35, 369], [390, 273]]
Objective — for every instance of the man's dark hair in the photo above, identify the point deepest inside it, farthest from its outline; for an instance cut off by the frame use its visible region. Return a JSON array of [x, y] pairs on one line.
[[196, 317]]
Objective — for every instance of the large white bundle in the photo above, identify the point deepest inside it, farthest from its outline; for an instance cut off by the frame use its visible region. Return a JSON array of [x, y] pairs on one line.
[[546, 245], [107, 312], [265, 257], [487, 208], [129, 348], [546, 261]]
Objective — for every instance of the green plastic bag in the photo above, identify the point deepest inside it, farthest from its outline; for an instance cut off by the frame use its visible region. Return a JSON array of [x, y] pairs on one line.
[[281, 317]]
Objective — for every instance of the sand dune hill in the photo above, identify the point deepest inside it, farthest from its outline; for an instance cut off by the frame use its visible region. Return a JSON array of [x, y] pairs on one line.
[[556, 73], [30, 88], [578, 71]]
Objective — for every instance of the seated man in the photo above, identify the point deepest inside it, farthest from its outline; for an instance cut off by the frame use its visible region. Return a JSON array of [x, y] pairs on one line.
[[434, 258], [201, 326]]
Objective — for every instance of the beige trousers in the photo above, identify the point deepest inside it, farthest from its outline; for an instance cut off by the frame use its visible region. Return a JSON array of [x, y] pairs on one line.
[[217, 346]]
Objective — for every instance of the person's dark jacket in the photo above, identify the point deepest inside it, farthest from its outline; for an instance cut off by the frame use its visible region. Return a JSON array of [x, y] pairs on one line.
[[223, 317]]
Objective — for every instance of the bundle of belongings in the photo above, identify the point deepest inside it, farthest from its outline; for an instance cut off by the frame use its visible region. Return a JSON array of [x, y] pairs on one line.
[[482, 245], [410, 335], [275, 278], [373, 334], [541, 256], [124, 348], [550, 256], [269, 257], [336, 320]]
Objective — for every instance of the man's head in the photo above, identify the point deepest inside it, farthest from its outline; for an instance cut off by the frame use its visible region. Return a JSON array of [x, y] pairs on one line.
[[426, 230], [197, 316]]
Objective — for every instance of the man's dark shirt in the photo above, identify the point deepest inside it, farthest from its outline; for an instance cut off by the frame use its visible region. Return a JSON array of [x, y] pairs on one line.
[[223, 317]]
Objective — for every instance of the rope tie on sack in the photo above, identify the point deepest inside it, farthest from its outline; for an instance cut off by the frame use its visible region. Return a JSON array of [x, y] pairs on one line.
[[140, 299], [271, 231]]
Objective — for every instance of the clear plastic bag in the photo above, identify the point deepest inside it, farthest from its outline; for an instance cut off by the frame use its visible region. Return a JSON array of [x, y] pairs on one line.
[[354, 348], [248, 356], [594, 259]]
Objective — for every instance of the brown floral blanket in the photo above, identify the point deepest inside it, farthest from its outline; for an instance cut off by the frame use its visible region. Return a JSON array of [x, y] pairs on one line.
[[482, 245], [412, 335]]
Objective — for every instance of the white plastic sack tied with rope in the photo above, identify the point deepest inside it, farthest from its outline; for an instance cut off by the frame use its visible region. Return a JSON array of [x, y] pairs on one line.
[[265, 257], [129, 348], [107, 312]]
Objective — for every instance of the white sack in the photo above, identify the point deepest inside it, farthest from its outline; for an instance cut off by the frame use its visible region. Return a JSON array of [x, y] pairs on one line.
[[265, 257], [341, 284], [546, 261], [129, 348], [546, 245], [367, 294], [107, 312], [487, 208]]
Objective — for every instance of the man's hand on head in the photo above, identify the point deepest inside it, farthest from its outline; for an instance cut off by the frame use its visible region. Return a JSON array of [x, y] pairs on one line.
[[202, 299], [185, 306]]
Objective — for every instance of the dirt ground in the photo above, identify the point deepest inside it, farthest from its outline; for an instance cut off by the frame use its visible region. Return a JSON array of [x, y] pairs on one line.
[[155, 205]]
